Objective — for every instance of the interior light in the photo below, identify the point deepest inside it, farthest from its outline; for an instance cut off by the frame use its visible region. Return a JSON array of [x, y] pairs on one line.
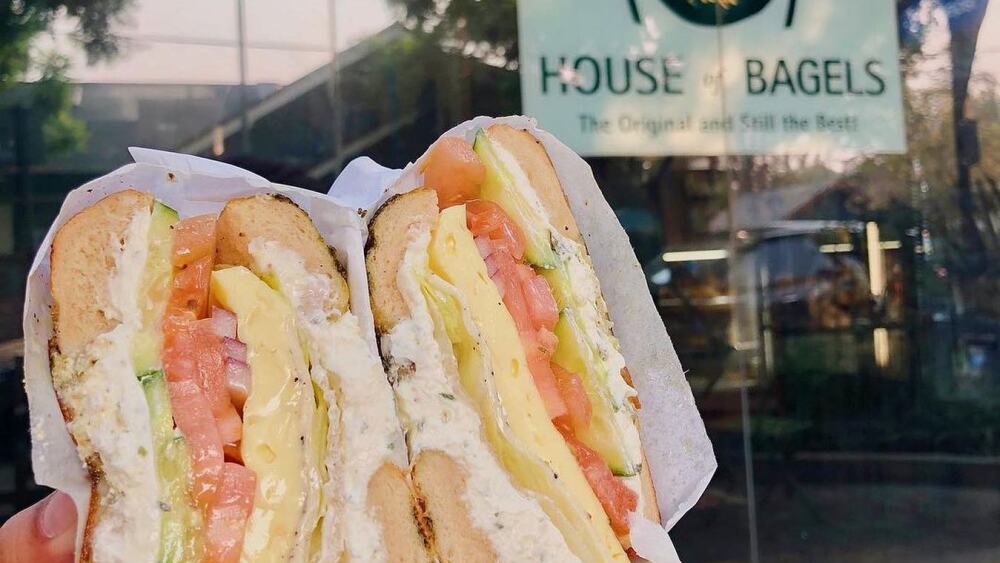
[[695, 255], [880, 337], [876, 268], [661, 277], [831, 248]]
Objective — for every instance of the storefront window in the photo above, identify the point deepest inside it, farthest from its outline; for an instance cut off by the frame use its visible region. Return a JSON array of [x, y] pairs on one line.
[[836, 310]]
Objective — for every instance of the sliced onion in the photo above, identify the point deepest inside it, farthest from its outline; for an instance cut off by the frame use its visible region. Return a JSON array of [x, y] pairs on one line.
[[230, 426], [498, 281], [237, 381], [224, 322], [485, 246], [491, 265], [234, 349]]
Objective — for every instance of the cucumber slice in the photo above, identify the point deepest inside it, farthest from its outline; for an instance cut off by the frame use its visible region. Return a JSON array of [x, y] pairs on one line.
[[558, 280], [500, 187], [179, 518], [574, 353], [155, 288]]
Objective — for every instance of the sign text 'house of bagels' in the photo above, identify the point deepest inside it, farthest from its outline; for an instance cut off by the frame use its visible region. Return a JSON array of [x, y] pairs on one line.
[[704, 77]]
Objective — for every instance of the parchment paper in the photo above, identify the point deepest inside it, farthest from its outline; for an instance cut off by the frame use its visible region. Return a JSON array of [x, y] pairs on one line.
[[678, 450], [192, 186]]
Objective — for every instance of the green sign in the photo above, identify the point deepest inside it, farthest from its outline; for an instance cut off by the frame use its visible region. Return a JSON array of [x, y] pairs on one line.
[[708, 77]]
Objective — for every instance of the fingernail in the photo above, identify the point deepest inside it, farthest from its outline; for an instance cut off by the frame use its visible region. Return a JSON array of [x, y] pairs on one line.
[[58, 515]]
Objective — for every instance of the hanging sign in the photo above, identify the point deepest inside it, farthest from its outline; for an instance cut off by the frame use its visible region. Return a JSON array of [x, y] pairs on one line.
[[709, 77]]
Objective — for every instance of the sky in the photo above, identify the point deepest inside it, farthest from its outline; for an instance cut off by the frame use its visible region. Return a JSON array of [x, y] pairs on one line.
[[194, 41]]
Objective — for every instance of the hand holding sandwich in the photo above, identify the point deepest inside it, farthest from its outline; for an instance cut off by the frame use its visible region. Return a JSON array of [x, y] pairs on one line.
[[44, 531]]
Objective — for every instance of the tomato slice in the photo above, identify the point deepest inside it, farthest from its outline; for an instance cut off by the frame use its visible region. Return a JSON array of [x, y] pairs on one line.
[[193, 351], [454, 170], [546, 341], [228, 515], [195, 421], [541, 304], [530, 303], [545, 380], [513, 298], [189, 293], [571, 390], [615, 497], [194, 239], [485, 218]]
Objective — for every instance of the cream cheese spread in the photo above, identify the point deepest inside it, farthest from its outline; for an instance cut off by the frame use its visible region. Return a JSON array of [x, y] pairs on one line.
[[363, 431], [111, 418], [437, 416]]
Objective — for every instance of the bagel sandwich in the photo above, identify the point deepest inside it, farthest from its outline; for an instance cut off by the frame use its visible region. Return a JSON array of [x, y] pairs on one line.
[[520, 416], [210, 373]]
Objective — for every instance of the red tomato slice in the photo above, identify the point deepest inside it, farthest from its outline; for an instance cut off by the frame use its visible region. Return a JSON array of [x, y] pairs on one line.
[[194, 239], [546, 341], [513, 297], [571, 390], [194, 419], [615, 497], [541, 304], [545, 380], [189, 293], [228, 515], [482, 217], [194, 352], [454, 170], [485, 218]]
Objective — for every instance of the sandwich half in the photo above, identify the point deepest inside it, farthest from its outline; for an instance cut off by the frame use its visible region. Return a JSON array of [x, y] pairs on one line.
[[516, 401], [192, 362], [369, 507]]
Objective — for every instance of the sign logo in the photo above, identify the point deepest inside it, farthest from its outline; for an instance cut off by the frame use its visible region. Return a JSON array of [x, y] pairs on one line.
[[714, 12], [677, 77]]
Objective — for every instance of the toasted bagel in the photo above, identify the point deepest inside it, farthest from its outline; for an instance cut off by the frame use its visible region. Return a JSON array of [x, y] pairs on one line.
[[276, 218], [82, 264]]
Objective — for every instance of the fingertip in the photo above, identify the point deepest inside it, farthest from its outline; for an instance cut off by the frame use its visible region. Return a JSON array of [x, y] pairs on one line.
[[25, 537], [57, 515]]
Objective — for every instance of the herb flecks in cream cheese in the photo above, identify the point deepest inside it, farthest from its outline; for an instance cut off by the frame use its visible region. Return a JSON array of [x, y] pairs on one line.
[[437, 415], [363, 432], [111, 418]]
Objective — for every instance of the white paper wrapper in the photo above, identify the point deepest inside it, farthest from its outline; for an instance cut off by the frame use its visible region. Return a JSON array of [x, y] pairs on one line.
[[678, 450], [192, 186]]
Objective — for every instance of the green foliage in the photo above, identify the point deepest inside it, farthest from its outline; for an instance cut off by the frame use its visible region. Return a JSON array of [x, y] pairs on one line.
[[21, 21], [473, 26], [52, 96]]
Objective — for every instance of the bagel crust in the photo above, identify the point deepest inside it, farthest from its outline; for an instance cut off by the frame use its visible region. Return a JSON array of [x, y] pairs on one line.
[[277, 218], [83, 263], [271, 218], [389, 231]]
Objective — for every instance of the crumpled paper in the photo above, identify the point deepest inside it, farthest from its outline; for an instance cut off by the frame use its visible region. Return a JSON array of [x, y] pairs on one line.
[[678, 450], [192, 186]]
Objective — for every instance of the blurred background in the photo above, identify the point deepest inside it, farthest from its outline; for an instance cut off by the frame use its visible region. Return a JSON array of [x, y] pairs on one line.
[[837, 315]]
